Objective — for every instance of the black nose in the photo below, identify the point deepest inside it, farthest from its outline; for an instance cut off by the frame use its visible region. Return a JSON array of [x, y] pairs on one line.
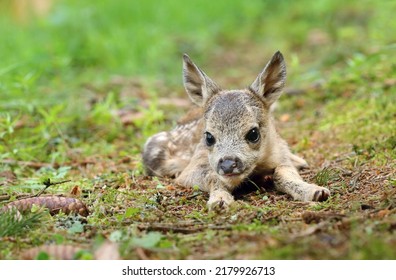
[[228, 165]]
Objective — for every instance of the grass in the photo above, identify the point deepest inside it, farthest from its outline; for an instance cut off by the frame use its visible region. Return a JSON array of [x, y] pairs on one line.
[[84, 86], [13, 224]]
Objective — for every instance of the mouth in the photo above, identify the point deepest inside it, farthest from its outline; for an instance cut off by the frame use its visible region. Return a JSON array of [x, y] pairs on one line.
[[232, 175], [236, 178], [232, 179]]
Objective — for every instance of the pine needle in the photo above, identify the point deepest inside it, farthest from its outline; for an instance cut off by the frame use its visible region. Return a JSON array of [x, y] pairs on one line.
[[12, 224]]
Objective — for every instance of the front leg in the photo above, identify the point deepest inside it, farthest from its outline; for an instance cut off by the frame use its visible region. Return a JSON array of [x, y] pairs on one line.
[[199, 173], [220, 196], [287, 180]]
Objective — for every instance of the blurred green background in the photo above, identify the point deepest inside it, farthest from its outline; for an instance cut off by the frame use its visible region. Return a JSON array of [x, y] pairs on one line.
[[81, 40], [147, 37], [69, 68]]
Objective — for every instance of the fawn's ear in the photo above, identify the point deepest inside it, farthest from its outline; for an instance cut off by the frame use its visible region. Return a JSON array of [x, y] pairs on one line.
[[269, 83], [197, 84]]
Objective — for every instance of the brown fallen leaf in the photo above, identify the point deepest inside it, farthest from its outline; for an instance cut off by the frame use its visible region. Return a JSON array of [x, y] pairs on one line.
[[76, 191], [383, 213], [130, 118], [300, 103], [389, 83], [284, 118], [170, 188]]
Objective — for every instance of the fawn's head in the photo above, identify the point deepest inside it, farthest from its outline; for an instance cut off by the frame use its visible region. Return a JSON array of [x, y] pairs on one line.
[[237, 122]]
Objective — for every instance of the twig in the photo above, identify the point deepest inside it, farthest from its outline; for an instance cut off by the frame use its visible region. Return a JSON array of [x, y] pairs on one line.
[[38, 165], [176, 228], [32, 164], [47, 184], [345, 157], [305, 172], [193, 195], [4, 197]]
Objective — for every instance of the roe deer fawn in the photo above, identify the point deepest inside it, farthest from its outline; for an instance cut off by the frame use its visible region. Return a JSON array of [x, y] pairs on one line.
[[229, 139]]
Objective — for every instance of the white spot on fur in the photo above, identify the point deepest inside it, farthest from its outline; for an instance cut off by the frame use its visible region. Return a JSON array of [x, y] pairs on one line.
[[155, 152], [161, 137]]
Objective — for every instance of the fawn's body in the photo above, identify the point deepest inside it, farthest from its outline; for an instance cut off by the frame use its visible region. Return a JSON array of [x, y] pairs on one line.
[[229, 139]]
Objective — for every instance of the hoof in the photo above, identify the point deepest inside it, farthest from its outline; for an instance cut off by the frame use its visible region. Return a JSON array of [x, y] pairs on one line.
[[321, 195], [220, 201], [219, 206]]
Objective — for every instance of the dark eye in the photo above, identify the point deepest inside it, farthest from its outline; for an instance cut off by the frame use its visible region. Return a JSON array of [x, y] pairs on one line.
[[209, 139], [253, 135]]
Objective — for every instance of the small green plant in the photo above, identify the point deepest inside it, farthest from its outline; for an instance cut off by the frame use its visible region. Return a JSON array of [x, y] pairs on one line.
[[12, 223], [325, 176]]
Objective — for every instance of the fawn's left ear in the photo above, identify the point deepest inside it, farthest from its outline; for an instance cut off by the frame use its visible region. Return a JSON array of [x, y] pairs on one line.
[[197, 84], [269, 83]]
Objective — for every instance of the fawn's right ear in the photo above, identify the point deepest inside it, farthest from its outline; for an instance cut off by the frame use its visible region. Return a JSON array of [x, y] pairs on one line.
[[197, 84]]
